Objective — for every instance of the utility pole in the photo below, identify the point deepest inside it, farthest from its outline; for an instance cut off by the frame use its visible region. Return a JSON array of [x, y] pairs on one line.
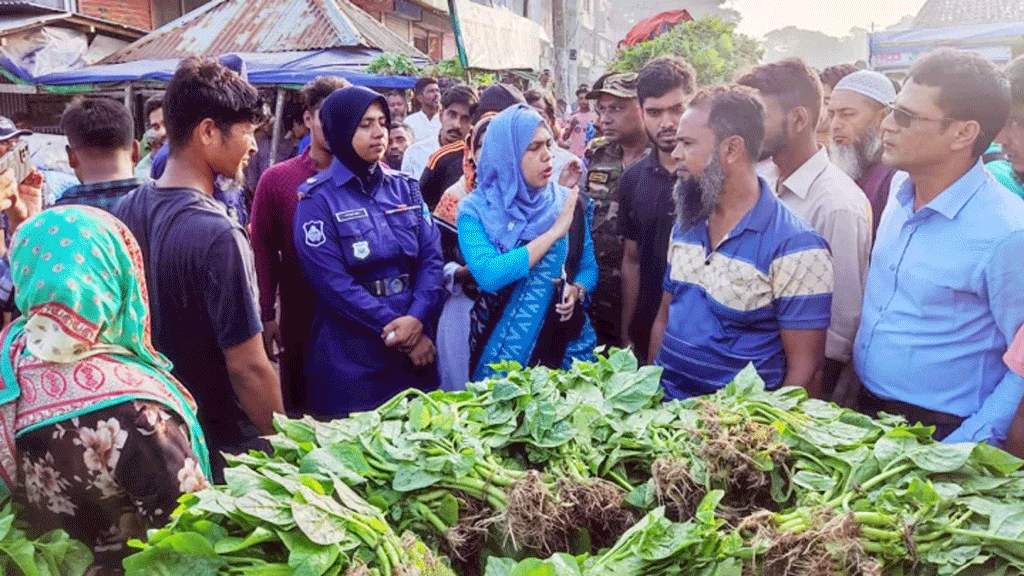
[[558, 30]]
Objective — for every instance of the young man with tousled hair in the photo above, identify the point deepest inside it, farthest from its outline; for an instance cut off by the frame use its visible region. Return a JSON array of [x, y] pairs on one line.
[[199, 265], [945, 295], [456, 111], [646, 209], [817, 191], [747, 281], [277, 264]]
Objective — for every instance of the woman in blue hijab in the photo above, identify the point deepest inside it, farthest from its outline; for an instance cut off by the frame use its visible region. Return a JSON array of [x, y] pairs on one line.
[[527, 243]]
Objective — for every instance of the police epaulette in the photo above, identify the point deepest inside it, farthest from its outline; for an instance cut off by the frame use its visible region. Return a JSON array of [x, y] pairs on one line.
[[310, 183]]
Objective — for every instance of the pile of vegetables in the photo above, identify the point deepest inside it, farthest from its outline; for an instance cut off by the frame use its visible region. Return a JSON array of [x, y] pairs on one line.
[[280, 521], [51, 554], [588, 472]]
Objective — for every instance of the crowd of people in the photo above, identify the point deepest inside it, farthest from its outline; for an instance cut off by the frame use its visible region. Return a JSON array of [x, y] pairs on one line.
[[847, 234]]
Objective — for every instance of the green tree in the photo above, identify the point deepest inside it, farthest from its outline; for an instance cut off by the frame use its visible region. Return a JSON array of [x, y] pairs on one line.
[[714, 48]]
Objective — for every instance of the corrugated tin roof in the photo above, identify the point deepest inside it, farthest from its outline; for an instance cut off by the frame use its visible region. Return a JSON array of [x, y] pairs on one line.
[[226, 26], [11, 24], [942, 13]]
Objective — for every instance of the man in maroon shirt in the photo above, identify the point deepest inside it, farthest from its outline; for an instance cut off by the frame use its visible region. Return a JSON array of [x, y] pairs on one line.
[[273, 210]]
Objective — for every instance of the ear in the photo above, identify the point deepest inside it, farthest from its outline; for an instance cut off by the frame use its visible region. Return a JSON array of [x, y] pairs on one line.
[[307, 119], [73, 161], [733, 149], [135, 151], [206, 132], [800, 121], [965, 135]]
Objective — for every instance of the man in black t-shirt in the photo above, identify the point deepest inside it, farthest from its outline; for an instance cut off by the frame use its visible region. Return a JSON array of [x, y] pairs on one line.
[[199, 265], [646, 206]]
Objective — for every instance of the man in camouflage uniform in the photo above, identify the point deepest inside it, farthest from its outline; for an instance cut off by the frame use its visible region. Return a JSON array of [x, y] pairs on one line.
[[623, 143]]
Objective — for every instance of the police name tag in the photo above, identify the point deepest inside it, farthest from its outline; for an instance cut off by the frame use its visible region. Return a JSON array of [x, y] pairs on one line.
[[361, 249], [314, 230], [347, 215]]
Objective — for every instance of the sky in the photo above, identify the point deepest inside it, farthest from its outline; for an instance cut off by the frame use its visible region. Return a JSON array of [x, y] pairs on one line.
[[832, 17]]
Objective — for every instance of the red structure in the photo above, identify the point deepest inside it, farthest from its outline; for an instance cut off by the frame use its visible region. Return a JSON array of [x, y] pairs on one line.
[[654, 26]]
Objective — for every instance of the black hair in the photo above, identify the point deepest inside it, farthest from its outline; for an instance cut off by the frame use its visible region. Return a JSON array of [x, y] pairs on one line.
[[734, 111], [422, 84], [97, 124], [543, 96], [203, 89], [789, 80], [662, 75], [319, 88], [152, 103], [1015, 75], [833, 74], [460, 94], [970, 88]]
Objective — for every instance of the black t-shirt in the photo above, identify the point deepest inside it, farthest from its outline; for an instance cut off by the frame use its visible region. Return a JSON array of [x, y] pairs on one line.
[[646, 215], [202, 286], [440, 175]]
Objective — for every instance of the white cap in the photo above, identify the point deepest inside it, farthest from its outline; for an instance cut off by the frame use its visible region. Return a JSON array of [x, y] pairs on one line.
[[874, 85]]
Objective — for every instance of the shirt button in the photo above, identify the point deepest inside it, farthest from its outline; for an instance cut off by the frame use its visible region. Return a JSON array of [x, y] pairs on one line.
[[892, 267]]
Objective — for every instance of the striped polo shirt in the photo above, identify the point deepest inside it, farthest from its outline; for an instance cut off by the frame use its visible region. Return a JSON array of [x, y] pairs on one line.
[[773, 272]]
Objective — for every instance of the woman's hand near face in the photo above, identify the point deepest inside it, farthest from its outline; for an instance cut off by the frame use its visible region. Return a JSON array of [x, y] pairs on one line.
[[570, 176], [561, 226]]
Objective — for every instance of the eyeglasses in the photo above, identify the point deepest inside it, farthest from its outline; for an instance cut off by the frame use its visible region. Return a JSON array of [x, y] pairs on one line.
[[904, 118]]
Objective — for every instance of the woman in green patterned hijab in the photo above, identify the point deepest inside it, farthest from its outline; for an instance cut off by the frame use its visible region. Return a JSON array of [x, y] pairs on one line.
[[97, 437]]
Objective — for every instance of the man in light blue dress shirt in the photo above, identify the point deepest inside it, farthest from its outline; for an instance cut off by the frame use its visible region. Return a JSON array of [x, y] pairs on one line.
[[945, 293]]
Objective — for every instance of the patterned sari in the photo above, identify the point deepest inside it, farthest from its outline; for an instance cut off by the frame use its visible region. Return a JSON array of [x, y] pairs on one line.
[[517, 323], [96, 436]]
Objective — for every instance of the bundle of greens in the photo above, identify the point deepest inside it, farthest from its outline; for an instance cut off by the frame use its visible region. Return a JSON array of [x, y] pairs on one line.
[[52, 554], [587, 472], [275, 520]]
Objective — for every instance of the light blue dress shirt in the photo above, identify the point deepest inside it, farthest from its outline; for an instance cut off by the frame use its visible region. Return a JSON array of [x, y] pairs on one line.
[[944, 297]]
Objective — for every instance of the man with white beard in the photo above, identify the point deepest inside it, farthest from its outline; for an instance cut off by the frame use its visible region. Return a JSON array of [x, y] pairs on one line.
[[858, 104], [746, 280]]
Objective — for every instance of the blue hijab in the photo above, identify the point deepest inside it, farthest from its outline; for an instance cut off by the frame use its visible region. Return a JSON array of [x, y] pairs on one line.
[[509, 209]]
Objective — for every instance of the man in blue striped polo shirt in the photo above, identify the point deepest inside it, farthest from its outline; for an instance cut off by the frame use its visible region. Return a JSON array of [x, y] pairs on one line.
[[747, 281]]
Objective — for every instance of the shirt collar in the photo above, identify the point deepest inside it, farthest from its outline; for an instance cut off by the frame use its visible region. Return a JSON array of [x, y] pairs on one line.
[[800, 181], [950, 201], [653, 163], [340, 173], [108, 185], [758, 218]]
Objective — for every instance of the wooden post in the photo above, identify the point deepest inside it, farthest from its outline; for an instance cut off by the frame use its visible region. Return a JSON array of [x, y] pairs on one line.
[[128, 100], [275, 139]]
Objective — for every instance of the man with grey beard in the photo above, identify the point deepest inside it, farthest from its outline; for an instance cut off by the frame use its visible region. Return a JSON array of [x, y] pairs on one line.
[[746, 280], [858, 104]]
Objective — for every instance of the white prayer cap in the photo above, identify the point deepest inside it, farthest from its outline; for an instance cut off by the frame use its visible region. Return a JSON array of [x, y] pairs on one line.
[[874, 85]]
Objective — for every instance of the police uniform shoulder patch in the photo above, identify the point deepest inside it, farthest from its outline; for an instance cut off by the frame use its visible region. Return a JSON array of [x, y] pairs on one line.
[[314, 231]]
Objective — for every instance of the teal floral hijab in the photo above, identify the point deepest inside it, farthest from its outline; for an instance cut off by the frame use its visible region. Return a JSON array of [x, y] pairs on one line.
[[84, 342]]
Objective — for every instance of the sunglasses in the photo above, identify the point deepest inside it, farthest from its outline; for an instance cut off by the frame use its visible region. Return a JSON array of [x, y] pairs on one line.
[[904, 118]]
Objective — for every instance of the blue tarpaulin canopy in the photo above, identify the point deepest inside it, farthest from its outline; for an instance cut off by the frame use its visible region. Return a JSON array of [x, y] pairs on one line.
[[897, 49], [264, 69]]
